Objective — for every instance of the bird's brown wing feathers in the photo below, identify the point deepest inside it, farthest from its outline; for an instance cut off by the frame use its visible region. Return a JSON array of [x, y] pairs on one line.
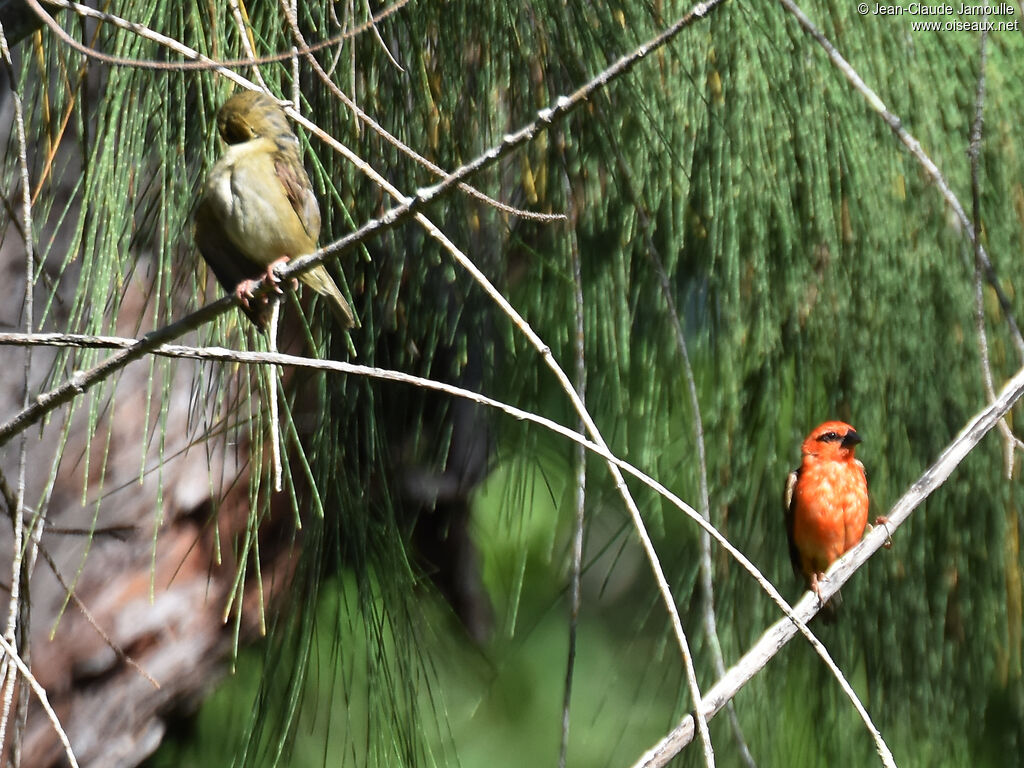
[[299, 192], [788, 501]]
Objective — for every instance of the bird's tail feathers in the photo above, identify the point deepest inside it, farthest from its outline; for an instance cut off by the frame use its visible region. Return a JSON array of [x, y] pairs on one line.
[[320, 280], [829, 613]]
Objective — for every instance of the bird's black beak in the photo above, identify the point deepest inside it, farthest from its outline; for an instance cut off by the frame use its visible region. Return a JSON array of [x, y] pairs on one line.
[[851, 439]]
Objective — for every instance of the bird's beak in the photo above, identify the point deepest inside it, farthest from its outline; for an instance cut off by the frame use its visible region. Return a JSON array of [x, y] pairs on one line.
[[851, 439]]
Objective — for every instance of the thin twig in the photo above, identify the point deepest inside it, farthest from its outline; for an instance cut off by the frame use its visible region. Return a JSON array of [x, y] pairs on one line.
[[40, 693], [119, 652], [380, 39], [706, 566], [595, 434], [80, 381], [563, 105], [929, 166], [273, 396], [15, 615], [802, 613], [974, 154], [706, 569], [782, 631], [411, 206], [401, 146], [576, 554], [197, 61], [245, 35]]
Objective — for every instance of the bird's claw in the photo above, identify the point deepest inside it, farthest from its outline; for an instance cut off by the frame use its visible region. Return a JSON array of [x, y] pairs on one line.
[[271, 277], [816, 579], [884, 521], [244, 292]]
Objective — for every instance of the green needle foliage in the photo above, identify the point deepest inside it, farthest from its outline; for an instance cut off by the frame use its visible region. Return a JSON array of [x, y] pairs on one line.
[[815, 269]]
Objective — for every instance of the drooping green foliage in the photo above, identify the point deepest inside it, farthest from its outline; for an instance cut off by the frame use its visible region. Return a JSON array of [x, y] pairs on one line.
[[817, 274]]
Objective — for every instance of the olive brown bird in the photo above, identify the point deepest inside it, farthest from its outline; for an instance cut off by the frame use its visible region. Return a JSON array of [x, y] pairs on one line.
[[257, 208], [826, 503]]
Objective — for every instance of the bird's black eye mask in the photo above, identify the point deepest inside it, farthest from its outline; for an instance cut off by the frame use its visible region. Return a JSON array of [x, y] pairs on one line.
[[830, 437]]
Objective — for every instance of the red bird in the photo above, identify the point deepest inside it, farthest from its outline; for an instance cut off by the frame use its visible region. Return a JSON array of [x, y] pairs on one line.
[[826, 503]]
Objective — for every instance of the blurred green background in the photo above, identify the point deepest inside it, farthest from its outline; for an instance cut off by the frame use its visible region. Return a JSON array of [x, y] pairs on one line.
[[817, 273]]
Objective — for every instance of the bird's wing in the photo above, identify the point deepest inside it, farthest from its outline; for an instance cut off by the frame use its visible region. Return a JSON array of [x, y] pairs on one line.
[[788, 502], [298, 190]]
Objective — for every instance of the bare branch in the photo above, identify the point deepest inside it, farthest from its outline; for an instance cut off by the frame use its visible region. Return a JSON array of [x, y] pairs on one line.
[[40, 693], [576, 556], [974, 153], [784, 630], [704, 498], [17, 613], [196, 61], [809, 606], [401, 146], [929, 166], [407, 207]]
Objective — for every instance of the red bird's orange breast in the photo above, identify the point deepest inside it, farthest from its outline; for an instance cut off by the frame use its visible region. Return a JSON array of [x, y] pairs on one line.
[[830, 511]]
